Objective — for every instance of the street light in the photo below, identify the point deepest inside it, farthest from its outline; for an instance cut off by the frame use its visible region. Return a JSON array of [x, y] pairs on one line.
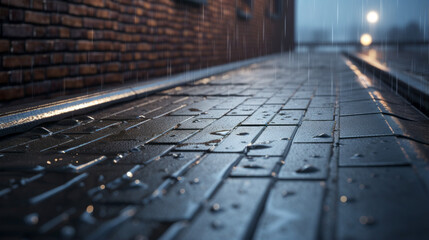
[[372, 17], [366, 39]]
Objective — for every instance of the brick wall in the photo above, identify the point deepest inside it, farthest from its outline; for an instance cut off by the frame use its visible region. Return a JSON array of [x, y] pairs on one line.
[[49, 46]]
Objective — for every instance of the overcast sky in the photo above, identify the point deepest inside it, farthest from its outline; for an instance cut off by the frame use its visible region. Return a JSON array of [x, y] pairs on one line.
[[345, 20]]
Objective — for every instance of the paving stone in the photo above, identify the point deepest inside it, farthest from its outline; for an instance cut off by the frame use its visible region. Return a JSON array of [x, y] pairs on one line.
[[322, 102], [369, 200], [151, 179], [374, 151], [306, 161], [150, 129], [273, 141], [175, 136], [287, 117], [315, 132], [262, 116], [255, 101], [319, 114], [230, 213], [363, 126], [214, 133], [144, 154], [195, 123], [238, 139], [360, 107], [197, 108], [256, 167], [278, 99], [292, 211], [231, 103], [297, 104], [303, 94], [183, 199], [214, 113], [243, 110]]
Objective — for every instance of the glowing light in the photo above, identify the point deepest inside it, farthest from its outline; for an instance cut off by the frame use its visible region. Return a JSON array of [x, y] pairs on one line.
[[89, 209], [372, 17], [366, 39]]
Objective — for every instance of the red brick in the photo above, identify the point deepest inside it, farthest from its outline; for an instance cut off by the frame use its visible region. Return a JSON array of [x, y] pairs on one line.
[[57, 58], [71, 21], [17, 30], [16, 15], [87, 69], [17, 61], [78, 10], [4, 78], [39, 45], [95, 3], [113, 78], [9, 93], [17, 3], [4, 46], [56, 72], [72, 83], [85, 45], [37, 17], [17, 47], [39, 74]]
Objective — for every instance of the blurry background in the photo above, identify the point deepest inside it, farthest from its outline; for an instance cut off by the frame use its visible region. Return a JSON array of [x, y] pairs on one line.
[[345, 20]]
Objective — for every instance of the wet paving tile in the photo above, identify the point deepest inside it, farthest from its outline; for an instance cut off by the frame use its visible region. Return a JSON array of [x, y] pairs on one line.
[[273, 141], [197, 108], [278, 99], [315, 132], [238, 139], [195, 123], [211, 135], [364, 126], [156, 176], [306, 161], [322, 102], [297, 104], [319, 114], [360, 107], [292, 211], [287, 117], [255, 101], [375, 151], [256, 167], [229, 214], [151, 129], [231, 103], [175, 136], [262, 116], [183, 199], [362, 192], [214, 113], [243, 110], [144, 154]]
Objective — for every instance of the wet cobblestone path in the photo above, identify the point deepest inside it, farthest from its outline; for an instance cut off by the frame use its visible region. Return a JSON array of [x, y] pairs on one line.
[[298, 147]]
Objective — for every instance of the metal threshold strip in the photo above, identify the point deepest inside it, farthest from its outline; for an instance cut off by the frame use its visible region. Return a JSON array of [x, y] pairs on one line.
[[413, 89], [23, 119]]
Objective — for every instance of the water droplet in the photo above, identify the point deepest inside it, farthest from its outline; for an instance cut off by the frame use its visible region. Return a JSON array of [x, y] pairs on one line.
[[195, 181], [287, 193], [31, 219], [253, 166], [349, 180], [129, 174], [258, 146], [235, 205], [194, 110], [182, 191], [196, 120], [242, 134], [307, 168], [357, 156], [366, 220], [221, 132], [215, 207], [322, 135], [177, 155], [343, 199]]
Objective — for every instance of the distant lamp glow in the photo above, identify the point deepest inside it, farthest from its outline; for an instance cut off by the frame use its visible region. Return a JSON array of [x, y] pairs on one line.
[[372, 17], [366, 39]]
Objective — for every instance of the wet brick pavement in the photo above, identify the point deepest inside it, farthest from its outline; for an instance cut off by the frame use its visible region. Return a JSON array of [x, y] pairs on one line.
[[298, 147]]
